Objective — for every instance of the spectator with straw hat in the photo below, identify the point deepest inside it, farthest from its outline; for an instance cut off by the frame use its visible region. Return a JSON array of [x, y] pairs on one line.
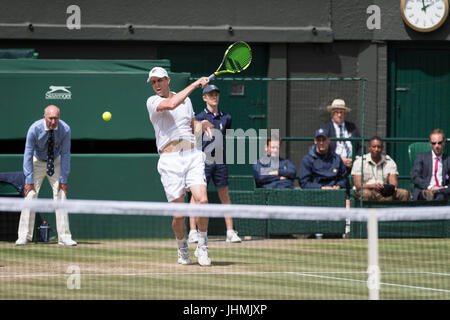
[[340, 128]]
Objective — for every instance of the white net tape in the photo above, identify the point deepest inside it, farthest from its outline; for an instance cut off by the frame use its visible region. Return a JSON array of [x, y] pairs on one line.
[[221, 210]]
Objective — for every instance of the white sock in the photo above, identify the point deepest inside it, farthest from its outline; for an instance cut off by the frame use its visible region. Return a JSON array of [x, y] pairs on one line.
[[202, 238], [230, 232], [182, 243]]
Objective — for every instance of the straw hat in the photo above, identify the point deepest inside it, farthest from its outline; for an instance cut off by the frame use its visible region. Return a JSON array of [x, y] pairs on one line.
[[338, 104]]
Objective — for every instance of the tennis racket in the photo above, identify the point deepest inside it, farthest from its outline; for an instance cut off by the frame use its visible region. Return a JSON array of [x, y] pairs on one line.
[[236, 58]]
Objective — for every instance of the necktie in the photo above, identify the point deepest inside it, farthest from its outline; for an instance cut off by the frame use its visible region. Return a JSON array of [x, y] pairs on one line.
[[347, 149], [436, 163], [50, 154]]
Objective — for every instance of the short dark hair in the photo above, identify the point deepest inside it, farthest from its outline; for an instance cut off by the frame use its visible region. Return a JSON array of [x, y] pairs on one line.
[[376, 138]]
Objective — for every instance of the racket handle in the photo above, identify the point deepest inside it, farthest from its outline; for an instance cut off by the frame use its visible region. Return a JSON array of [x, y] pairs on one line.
[[211, 77]]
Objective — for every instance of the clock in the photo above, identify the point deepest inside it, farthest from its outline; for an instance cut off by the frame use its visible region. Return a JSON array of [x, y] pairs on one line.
[[424, 15]]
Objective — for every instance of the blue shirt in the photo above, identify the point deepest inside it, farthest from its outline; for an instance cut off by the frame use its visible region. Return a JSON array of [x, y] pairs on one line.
[[221, 121], [37, 145]]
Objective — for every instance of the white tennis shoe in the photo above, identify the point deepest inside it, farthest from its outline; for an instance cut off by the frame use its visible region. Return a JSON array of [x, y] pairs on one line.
[[21, 242], [232, 237], [183, 256], [202, 254], [193, 236], [67, 242]]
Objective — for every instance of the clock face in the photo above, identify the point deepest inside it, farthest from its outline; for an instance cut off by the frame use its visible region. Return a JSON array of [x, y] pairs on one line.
[[424, 15]]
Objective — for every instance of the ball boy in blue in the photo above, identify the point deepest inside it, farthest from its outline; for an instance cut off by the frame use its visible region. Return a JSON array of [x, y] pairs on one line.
[[218, 172]]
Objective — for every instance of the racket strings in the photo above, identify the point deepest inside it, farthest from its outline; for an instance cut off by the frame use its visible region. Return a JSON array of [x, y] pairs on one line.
[[238, 57]]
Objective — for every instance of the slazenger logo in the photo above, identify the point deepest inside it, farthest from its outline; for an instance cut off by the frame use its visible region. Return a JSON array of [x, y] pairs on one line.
[[58, 92]]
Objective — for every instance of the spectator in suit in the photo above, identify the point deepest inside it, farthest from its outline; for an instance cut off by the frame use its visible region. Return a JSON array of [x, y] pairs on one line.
[[380, 175], [338, 127], [431, 171], [274, 172], [322, 168]]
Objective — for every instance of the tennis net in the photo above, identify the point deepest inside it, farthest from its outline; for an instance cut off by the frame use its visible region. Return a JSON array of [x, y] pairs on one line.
[[126, 250]]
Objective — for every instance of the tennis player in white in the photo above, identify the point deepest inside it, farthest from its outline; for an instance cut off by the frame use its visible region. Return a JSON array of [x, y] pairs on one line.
[[180, 165]]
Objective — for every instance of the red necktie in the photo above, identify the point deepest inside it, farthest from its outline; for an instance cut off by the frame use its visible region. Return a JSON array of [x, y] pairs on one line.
[[435, 172]]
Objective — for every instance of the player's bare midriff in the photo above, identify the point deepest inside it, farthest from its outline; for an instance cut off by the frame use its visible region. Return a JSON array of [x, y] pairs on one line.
[[177, 145]]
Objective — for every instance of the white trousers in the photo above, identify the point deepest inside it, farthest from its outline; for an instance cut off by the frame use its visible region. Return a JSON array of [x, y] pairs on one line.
[[27, 217]]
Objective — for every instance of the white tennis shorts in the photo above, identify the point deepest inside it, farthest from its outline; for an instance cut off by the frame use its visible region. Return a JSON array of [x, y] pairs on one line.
[[181, 170]]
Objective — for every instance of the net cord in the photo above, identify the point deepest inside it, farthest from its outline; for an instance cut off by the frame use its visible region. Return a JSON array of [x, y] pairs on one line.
[[73, 206]]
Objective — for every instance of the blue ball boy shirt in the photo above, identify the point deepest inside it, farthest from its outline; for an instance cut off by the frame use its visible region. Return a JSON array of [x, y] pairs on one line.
[[221, 121]]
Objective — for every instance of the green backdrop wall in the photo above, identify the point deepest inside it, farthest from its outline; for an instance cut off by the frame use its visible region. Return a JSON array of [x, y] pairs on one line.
[[87, 88]]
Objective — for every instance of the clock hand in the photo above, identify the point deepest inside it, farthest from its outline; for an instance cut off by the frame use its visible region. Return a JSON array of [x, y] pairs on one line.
[[424, 7]]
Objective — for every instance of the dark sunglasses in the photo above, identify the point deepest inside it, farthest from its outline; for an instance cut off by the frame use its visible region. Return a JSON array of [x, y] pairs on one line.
[[438, 142]]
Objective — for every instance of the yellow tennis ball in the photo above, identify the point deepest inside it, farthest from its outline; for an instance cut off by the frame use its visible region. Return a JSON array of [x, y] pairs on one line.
[[106, 116]]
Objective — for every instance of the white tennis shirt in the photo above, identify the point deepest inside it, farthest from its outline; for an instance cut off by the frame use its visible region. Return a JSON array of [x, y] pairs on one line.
[[173, 124]]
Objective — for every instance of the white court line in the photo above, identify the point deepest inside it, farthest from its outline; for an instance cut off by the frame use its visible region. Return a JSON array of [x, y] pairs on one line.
[[381, 283], [219, 273], [306, 274], [137, 274]]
